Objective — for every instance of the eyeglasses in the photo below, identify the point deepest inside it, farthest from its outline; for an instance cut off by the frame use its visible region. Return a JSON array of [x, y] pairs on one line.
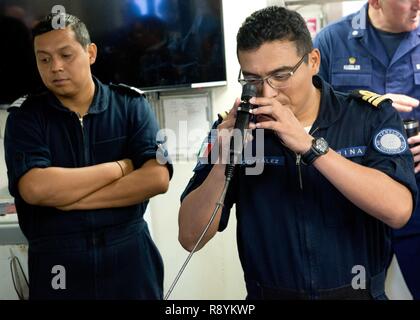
[[276, 80]]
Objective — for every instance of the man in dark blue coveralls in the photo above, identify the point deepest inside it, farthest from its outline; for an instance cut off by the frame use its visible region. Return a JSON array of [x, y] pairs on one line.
[[337, 175], [81, 161], [378, 49]]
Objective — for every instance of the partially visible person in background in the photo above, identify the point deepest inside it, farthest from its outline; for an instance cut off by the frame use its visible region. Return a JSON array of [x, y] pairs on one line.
[[378, 49]]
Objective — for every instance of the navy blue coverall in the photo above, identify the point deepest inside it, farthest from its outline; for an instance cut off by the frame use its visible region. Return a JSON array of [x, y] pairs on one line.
[[106, 253]]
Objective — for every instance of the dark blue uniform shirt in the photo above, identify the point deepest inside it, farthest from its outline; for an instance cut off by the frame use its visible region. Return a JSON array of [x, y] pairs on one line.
[[295, 229], [107, 253], [353, 56]]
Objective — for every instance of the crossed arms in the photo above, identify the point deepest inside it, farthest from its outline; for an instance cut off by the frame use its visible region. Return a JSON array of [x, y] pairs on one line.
[[106, 185]]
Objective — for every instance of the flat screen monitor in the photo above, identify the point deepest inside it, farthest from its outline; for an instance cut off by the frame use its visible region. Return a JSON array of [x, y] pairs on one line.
[[153, 45]]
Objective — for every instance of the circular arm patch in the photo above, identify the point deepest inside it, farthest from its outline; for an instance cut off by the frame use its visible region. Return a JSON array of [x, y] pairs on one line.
[[390, 141]]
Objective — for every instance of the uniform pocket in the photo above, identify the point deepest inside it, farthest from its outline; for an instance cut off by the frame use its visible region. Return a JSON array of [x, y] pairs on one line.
[[359, 81], [415, 60], [110, 150], [352, 65], [351, 73]]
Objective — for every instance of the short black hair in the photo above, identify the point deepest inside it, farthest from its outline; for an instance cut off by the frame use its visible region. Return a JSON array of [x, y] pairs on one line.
[[75, 24], [271, 24]]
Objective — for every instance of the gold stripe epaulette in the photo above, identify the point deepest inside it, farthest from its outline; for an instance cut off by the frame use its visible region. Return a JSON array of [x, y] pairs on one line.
[[222, 116], [372, 98]]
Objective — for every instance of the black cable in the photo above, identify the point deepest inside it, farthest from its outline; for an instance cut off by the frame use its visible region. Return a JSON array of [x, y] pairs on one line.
[[20, 295]]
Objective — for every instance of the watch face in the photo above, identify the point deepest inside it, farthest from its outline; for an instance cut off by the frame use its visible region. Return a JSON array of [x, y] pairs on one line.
[[321, 145]]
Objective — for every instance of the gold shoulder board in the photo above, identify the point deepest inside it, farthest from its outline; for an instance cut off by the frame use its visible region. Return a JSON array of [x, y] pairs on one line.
[[373, 98], [222, 116]]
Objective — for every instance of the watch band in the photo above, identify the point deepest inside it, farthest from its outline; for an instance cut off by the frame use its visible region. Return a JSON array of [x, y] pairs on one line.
[[309, 156]]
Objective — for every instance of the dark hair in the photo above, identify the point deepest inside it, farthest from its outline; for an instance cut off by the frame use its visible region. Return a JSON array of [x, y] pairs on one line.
[[78, 27], [271, 24]]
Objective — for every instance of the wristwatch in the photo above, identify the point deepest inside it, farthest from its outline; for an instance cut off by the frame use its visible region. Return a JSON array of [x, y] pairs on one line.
[[319, 147]]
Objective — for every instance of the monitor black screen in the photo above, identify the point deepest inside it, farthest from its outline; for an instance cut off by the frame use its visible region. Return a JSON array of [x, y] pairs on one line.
[[149, 44]]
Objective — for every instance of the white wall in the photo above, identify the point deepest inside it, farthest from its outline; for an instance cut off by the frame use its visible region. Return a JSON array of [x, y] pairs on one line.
[[4, 193], [214, 272], [234, 13], [352, 6]]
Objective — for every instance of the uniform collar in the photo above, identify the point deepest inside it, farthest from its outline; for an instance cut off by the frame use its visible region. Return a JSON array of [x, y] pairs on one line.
[[99, 102], [363, 31], [330, 108], [100, 99], [412, 41], [358, 22]]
